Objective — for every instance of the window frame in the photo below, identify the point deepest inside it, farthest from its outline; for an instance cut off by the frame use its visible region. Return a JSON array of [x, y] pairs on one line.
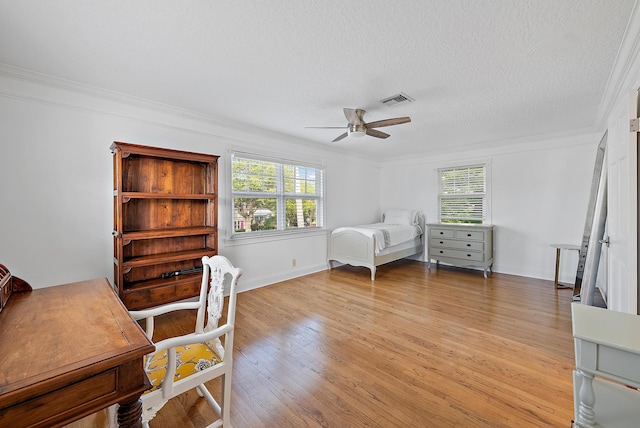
[[279, 194], [486, 211]]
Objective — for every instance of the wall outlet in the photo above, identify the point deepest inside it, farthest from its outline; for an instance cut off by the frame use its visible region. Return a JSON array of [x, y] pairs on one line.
[[293, 262]]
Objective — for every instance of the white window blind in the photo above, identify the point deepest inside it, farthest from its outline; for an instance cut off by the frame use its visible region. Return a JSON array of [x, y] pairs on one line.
[[462, 194]]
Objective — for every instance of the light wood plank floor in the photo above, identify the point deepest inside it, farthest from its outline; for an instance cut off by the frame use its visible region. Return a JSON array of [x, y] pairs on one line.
[[415, 348]]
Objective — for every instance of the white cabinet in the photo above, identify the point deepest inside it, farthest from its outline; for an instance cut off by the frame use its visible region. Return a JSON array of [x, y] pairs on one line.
[[607, 375], [465, 245]]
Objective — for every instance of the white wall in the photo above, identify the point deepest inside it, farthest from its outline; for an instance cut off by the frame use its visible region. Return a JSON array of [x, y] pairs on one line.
[[56, 180], [539, 194]]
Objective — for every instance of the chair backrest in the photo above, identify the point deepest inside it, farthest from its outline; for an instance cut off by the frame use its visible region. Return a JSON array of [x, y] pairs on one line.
[[216, 273]]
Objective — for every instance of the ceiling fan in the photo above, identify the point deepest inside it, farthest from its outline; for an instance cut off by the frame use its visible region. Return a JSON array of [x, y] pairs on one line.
[[357, 127]]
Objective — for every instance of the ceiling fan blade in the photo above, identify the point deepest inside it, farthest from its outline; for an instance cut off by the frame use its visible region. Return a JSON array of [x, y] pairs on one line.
[[340, 137], [354, 116], [376, 133], [388, 122]]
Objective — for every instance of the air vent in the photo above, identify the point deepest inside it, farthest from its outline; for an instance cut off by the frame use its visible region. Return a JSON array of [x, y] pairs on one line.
[[397, 99]]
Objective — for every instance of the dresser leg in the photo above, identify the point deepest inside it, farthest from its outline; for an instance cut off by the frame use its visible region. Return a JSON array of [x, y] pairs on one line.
[[586, 417]]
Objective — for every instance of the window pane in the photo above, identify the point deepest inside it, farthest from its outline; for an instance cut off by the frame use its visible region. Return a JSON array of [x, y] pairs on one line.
[[301, 213], [254, 176], [462, 208], [462, 180], [252, 214], [299, 180]]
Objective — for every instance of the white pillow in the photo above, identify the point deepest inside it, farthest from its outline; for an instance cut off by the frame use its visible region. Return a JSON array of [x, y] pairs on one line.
[[408, 217]]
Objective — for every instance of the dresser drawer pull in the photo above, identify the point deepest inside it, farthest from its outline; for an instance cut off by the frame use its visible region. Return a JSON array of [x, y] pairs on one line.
[[442, 242], [441, 233], [441, 252], [468, 255], [468, 245], [468, 234]]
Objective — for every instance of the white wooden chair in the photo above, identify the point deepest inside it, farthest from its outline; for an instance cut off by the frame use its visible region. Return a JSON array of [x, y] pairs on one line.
[[186, 362]]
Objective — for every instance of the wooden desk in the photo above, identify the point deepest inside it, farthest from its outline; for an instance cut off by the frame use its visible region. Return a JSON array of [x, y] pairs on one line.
[[69, 351]]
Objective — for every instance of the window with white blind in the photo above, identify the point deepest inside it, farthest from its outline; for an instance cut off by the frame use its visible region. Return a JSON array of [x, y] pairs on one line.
[[270, 195], [462, 195]]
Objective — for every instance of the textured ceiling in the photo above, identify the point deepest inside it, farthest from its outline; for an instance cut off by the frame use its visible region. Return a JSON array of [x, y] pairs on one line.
[[479, 71]]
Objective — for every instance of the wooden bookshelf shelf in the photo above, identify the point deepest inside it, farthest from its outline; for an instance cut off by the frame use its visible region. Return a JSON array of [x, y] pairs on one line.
[[147, 195], [174, 256]]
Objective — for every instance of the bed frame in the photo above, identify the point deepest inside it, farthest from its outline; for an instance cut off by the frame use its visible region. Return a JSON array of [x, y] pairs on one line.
[[356, 249]]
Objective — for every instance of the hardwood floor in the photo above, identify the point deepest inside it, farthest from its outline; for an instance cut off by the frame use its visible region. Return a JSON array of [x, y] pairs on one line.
[[415, 348]]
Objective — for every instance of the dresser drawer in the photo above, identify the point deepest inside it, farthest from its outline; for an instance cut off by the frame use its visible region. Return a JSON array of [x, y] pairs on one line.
[[465, 245], [475, 235], [442, 233], [457, 254]]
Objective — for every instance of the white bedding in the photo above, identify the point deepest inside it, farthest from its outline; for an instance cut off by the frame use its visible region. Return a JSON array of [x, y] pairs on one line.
[[386, 235]]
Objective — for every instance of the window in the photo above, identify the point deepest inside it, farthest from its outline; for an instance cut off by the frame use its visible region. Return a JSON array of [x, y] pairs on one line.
[[273, 196], [462, 196]]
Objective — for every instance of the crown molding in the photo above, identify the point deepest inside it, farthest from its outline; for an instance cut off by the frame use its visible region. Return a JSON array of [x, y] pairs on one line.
[[503, 147], [107, 95], [78, 96], [112, 103], [625, 71]]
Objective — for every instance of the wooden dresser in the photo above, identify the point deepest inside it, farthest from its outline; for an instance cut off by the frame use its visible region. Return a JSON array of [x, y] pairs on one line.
[[69, 351], [465, 245]]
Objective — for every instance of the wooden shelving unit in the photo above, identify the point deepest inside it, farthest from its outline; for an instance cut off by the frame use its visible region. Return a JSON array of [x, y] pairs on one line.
[[165, 219]]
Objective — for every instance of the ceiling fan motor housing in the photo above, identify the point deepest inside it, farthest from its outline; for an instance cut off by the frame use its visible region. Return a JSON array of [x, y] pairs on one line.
[[356, 130]]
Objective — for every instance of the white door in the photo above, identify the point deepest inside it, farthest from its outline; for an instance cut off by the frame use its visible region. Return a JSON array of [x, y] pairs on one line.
[[622, 211]]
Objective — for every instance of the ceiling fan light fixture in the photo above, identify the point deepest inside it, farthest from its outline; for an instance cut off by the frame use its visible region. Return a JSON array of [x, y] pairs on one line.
[[356, 131]]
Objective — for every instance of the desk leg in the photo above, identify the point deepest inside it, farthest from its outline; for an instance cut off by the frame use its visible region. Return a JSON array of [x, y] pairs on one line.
[[130, 413], [556, 283]]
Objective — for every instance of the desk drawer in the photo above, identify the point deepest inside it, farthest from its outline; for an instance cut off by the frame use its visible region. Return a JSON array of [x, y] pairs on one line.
[[456, 254], [461, 245], [55, 404]]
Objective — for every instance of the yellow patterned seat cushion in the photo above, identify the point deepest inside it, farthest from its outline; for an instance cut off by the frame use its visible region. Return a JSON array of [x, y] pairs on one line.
[[190, 359]]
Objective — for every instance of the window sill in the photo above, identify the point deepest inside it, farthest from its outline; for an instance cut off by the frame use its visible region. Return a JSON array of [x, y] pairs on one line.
[[267, 236]]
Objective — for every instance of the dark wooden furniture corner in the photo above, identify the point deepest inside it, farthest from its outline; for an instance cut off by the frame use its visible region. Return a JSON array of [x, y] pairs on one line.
[[69, 351]]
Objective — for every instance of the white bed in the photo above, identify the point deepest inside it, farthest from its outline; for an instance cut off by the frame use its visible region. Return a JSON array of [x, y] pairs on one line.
[[399, 235]]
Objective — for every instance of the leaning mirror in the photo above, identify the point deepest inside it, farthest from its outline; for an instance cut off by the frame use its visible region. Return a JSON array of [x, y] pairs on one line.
[[590, 248]]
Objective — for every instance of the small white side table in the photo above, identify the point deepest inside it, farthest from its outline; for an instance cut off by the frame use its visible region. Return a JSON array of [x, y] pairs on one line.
[[607, 375], [559, 248]]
